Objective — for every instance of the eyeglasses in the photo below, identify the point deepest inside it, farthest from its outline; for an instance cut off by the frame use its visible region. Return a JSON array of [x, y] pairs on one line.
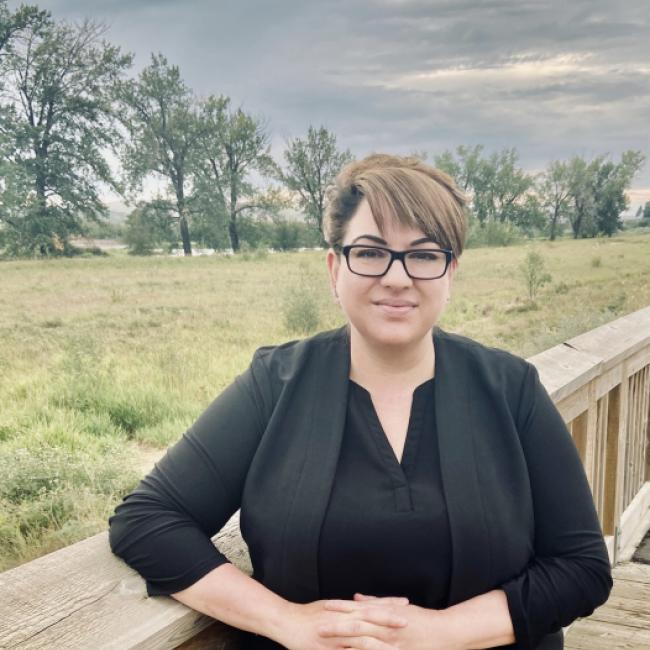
[[419, 264]]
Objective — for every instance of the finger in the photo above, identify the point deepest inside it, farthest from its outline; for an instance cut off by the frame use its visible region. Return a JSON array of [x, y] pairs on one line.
[[339, 605], [368, 643], [373, 624], [392, 600]]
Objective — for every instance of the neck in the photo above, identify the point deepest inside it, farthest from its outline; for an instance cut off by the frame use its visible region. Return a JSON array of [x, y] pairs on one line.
[[391, 365]]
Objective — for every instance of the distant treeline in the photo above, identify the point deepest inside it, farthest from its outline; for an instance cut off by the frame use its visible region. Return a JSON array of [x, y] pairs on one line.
[[66, 103]]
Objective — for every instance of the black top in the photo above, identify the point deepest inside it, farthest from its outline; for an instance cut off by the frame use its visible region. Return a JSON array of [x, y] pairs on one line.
[[385, 532], [516, 498]]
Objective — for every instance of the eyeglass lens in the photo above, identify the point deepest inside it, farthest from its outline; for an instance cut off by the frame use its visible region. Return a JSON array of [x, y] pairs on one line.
[[419, 263]]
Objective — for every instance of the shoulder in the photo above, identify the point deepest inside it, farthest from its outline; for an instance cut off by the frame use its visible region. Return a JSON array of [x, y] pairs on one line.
[[493, 367], [284, 360]]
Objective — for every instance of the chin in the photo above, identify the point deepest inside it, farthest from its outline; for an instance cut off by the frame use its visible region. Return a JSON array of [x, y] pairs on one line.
[[396, 335]]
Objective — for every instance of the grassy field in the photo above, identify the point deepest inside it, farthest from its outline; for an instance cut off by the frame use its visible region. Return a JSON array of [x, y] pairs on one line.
[[106, 361]]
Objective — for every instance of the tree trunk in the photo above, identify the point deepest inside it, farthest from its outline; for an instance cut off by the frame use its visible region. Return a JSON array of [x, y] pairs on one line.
[[185, 236], [182, 221], [554, 222], [234, 235]]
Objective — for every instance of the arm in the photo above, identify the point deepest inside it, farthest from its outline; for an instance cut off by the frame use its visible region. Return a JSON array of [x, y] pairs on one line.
[[570, 573], [480, 622], [163, 528], [229, 595]]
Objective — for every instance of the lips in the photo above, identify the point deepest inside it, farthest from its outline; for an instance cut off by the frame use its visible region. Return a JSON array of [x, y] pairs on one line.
[[396, 303]]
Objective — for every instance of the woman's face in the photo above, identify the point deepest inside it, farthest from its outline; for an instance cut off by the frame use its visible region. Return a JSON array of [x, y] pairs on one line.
[[393, 309]]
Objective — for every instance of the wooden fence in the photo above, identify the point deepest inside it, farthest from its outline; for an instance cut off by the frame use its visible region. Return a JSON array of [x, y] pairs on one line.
[[84, 597]]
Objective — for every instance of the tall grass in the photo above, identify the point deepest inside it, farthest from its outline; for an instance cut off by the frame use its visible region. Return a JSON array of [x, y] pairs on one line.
[[105, 361]]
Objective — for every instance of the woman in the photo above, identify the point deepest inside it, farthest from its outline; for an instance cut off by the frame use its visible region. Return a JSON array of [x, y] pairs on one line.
[[400, 486]]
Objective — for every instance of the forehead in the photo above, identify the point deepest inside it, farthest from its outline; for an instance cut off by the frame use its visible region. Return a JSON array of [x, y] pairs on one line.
[[363, 223]]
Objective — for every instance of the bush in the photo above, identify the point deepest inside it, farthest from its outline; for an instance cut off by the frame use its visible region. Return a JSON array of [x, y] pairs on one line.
[[51, 497], [492, 233], [533, 270], [301, 314]]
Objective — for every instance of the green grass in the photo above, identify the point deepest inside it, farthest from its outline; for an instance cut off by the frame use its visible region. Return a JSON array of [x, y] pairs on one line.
[[105, 361]]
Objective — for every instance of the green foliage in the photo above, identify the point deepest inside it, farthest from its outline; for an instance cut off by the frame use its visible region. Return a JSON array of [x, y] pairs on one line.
[[301, 313], [493, 233], [57, 122], [311, 166], [533, 271], [49, 494], [497, 185], [232, 144], [158, 110], [597, 192], [148, 227]]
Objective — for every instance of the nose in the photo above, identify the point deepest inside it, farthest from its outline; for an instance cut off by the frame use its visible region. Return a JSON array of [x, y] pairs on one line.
[[396, 276]]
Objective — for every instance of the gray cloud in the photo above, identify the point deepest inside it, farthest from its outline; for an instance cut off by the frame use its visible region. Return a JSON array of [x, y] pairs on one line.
[[549, 77]]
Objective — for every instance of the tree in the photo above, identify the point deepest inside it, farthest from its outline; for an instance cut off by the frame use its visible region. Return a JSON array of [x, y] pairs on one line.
[[645, 215], [555, 194], [149, 226], [55, 127], [497, 185], [611, 181], [597, 191], [311, 166], [232, 145], [159, 113], [12, 24], [464, 167], [581, 187]]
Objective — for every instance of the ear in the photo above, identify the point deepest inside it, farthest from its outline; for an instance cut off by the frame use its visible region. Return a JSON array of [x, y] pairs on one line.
[[333, 264], [453, 267]]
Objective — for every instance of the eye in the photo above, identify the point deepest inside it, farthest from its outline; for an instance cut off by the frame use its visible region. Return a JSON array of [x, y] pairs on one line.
[[369, 253], [424, 256]]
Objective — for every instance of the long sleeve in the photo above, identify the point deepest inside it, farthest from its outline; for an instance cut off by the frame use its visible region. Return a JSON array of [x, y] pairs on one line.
[[163, 528], [570, 574]]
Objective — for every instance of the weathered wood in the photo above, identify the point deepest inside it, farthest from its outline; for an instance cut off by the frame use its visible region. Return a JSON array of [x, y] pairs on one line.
[[610, 483], [624, 620], [83, 596]]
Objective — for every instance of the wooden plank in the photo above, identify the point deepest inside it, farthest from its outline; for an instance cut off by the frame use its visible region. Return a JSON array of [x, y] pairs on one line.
[[573, 405], [601, 456], [610, 483], [83, 596], [595, 635], [579, 433], [591, 442], [624, 620], [638, 360], [616, 340], [621, 454], [606, 382], [564, 370], [634, 516], [645, 396]]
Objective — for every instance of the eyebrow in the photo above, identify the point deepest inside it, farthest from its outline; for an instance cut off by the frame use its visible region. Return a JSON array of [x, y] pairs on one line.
[[379, 240]]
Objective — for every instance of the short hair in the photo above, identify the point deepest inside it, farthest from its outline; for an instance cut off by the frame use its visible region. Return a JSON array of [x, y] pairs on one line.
[[399, 187]]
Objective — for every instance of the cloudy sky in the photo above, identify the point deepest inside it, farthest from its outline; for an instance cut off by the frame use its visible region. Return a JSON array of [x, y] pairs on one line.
[[551, 78]]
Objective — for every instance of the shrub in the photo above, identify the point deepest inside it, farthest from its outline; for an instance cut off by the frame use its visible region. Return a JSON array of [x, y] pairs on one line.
[[492, 233], [533, 271], [301, 314]]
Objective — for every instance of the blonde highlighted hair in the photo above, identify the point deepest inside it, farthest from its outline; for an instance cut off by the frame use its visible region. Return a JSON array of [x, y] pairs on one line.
[[402, 188]]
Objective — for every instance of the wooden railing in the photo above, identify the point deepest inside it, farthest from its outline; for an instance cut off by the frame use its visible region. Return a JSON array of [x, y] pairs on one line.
[[84, 597]]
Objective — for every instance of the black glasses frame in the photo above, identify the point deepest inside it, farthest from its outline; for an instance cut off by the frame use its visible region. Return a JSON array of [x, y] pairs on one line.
[[397, 255]]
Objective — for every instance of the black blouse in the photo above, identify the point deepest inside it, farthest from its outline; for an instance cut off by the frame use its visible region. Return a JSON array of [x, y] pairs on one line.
[[386, 532]]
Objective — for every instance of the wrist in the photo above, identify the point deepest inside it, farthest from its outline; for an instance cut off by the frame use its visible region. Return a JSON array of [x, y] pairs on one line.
[[277, 621], [445, 629]]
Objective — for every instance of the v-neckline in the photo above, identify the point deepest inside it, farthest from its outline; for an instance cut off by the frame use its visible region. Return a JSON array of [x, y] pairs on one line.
[[398, 467]]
